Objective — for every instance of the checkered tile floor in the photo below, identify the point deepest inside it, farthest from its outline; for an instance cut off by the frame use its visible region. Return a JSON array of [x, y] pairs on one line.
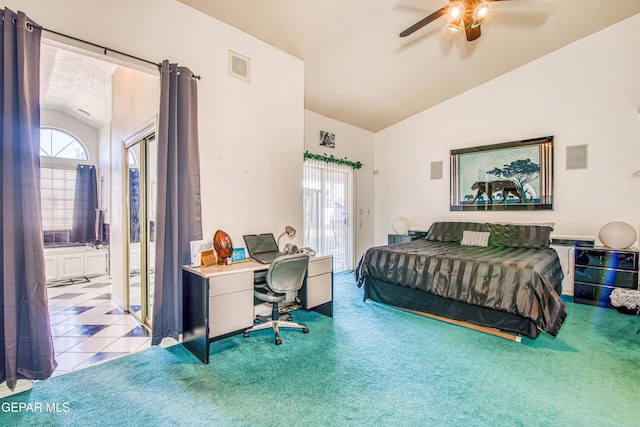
[[88, 328]]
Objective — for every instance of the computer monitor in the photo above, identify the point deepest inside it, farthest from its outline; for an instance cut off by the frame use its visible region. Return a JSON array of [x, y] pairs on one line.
[[260, 243]]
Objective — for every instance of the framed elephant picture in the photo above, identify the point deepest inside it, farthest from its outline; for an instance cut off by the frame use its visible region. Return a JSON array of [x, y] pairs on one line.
[[514, 175]]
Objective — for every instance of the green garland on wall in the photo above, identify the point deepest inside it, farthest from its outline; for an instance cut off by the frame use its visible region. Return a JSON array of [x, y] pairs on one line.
[[332, 159]]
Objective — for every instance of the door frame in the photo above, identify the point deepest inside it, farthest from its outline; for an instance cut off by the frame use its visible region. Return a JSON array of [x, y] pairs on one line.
[[350, 205], [142, 135]]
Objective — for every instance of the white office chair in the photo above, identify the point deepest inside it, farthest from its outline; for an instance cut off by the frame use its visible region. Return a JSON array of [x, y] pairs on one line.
[[284, 276]]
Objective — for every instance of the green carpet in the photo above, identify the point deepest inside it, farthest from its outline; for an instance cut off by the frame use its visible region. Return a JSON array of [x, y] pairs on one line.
[[370, 365]]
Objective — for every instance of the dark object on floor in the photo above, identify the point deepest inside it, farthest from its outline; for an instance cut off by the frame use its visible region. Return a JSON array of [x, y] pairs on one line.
[[606, 277], [625, 310], [67, 282]]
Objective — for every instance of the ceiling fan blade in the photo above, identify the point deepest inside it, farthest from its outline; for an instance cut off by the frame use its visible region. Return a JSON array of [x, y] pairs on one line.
[[415, 27]]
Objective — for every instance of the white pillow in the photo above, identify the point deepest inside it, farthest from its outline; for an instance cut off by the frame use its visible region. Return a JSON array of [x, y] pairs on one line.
[[475, 238]]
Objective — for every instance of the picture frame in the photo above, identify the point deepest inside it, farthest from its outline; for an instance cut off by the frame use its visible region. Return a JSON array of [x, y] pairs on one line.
[[207, 258], [327, 139], [515, 175], [238, 255]]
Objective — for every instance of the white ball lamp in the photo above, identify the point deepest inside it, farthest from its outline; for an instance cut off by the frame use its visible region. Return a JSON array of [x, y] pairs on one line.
[[617, 235], [401, 225]]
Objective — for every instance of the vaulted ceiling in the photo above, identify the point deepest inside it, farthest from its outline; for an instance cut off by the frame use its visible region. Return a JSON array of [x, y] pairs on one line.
[[359, 71], [78, 85]]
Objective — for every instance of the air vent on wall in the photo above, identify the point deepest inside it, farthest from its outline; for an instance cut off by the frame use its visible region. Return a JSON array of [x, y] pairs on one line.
[[436, 170], [239, 66], [577, 157]]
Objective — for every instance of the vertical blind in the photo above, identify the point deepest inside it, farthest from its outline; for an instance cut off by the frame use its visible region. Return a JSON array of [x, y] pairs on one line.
[[328, 211]]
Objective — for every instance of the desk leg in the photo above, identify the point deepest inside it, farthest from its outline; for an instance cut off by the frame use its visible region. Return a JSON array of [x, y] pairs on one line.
[[326, 309], [195, 315]]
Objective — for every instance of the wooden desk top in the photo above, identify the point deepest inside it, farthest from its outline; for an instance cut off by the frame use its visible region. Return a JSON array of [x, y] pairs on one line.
[[236, 267]]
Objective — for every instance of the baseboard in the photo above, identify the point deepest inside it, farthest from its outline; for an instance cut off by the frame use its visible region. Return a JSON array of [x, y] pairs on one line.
[[21, 386], [117, 301], [170, 342]]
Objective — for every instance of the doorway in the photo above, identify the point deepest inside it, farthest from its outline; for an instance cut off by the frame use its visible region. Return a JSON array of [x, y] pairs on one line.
[[99, 100], [328, 208]]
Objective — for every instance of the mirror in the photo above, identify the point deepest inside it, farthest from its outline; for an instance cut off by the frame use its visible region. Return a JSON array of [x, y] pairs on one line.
[[141, 198], [152, 169]]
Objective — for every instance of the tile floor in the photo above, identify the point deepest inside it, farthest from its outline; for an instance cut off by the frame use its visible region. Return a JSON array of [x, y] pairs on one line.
[[88, 328]]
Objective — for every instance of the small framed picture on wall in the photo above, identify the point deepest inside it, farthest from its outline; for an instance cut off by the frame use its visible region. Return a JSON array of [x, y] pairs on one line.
[[327, 139]]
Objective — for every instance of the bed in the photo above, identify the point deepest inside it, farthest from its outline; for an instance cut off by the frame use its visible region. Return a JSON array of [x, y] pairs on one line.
[[499, 276]]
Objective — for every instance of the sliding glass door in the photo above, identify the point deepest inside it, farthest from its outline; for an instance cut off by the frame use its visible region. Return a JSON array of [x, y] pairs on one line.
[[141, 197], [328, 206]]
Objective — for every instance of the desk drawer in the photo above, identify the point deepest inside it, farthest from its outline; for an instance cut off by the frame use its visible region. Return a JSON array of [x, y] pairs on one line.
[[607, 259], [320, 266], [585, 293], [229, 283], [230, 312], [318, 290], [606, 276]]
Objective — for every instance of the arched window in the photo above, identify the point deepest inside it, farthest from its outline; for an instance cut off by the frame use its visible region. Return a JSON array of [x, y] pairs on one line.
[[60, 152], [132, 159], [61, 145]]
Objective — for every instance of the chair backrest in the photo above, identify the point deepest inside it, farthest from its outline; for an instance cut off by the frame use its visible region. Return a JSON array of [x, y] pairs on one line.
[[286, 273]]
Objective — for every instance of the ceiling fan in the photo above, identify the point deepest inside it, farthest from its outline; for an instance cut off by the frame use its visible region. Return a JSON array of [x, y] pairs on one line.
[[468, 13]]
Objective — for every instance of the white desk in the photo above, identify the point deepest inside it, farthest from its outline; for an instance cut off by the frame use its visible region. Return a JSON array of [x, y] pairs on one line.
[[219, 301]]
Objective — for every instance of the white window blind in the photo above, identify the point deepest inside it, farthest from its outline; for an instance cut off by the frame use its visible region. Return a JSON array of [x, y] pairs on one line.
[[58, 187]]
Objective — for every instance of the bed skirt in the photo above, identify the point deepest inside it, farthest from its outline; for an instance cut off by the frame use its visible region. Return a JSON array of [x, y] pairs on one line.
[[415, 299]]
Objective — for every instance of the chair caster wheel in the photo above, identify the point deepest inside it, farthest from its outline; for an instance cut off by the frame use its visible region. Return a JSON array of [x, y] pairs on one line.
[[305, 330], [246, 335], [278, 341]]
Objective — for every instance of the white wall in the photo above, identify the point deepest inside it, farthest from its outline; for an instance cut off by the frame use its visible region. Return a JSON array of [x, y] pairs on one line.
[[134, 103], [251, 134], [356, 144], [584, 93]]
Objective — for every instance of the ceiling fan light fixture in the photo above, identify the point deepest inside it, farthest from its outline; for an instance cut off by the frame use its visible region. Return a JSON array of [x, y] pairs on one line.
[[456, 12], [456, 24], [480, 14], [456, 9]]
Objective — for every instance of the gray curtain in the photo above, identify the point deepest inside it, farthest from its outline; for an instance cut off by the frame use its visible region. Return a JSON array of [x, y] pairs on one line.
[[26, 346], [85, 205], [179, 213]]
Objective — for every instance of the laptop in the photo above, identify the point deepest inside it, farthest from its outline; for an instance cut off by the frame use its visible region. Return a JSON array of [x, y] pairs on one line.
[[262, 247]]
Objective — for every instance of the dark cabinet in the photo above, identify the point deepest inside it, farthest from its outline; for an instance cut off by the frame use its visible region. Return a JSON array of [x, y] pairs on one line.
[[393, 239], [598, 271], [412, 235]]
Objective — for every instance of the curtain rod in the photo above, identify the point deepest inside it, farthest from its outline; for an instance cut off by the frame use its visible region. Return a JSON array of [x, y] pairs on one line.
[[106, 49]]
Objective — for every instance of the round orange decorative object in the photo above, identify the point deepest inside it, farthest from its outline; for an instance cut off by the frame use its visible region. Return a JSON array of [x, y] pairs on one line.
[[223, 246]]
